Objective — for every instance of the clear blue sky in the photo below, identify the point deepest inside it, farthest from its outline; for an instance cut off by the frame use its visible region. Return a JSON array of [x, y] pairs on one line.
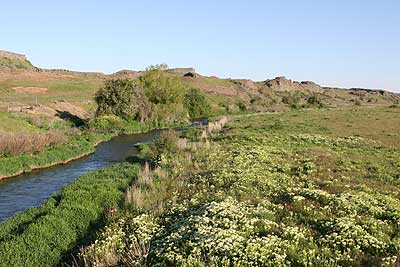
[[339, 43]]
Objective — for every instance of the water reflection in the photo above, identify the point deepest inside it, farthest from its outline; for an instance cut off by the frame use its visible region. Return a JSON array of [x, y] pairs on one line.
[[32, 189]]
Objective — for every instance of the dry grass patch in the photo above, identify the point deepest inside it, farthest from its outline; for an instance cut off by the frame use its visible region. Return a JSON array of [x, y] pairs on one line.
[[31, 90], [17, 144]]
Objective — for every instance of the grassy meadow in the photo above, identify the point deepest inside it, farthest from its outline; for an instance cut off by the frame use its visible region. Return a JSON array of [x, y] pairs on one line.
[[310, 186], [30, 142], [77, 88], [303, 188]]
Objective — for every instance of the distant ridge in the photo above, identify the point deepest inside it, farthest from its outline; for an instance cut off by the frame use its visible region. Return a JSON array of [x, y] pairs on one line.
[[12, 55], [228, 94], [14, 61]]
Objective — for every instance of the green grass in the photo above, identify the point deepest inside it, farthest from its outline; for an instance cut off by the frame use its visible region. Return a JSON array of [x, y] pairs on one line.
[[304, 188], [15, 123], [11, 123], [71, 87], [100, 129], [42, 236], [75, 147]]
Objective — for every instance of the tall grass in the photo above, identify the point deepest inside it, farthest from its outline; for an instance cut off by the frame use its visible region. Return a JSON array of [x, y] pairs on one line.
[[214, 127], [42, 236], [156, 187], [138, 193], [61, 153], [17, 144]]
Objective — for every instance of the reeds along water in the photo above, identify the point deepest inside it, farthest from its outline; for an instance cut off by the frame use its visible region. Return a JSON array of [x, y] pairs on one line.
[[214, 127], [12, 145], [144, 192]]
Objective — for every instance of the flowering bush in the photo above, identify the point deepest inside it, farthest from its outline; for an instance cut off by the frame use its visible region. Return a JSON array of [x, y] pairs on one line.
[[252, 198], [119, 239]]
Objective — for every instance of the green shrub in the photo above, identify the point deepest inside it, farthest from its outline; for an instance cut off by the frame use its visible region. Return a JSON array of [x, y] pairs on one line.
[[123, 98], [314, 100], [291, 100], [241, 105], [160, 88], [168, 114], [166, 143], [107, 124], [196, 103]]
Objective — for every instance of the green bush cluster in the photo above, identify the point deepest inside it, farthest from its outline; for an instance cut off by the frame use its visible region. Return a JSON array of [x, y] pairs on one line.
[[165, 144], [160, 88], [42, 236], [111, 124], [106, 124], [124, 98], [196, 103], [155, 98], [314, 100], [292, 100]]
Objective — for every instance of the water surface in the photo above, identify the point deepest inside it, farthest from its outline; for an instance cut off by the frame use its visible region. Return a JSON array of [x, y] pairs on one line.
[[32, 189]]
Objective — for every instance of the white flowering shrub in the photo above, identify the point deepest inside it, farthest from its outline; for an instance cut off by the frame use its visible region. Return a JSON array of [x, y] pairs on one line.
[[120, 238], [255, 198], [226, 233]]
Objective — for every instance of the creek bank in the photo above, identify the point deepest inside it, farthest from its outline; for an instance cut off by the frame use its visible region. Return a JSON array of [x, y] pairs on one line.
[[50, 157], [76, 149], [63, 154]]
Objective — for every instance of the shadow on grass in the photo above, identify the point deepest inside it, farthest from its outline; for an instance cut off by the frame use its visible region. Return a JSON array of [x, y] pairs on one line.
[[75, 120]]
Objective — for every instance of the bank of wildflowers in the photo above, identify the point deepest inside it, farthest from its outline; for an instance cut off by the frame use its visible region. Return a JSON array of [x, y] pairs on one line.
[[250, 197]]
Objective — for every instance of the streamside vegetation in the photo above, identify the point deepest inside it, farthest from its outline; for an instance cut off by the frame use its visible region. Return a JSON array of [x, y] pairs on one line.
[[12, 145], [42, 236], [156, 100], [312, 188]]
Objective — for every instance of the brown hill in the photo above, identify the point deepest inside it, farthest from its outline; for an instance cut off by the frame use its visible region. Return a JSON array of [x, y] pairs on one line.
[[14, 61], [78, 88]]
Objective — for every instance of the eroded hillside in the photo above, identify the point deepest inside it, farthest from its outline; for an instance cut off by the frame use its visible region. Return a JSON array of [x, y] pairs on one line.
[[29, 89]]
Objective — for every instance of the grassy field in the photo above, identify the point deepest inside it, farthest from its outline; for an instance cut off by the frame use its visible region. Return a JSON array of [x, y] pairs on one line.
[[43, 236], [12, 123], [73, 87], [303, 188]]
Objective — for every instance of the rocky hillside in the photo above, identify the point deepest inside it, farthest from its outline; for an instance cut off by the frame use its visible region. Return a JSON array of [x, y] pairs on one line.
[[13, 61], [20, 81], [280, 93]]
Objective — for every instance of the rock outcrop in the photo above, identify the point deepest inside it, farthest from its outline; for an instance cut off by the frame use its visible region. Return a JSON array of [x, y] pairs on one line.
[[181, 71], [190, 74], [284, 84], [14, 61], [12, 55]]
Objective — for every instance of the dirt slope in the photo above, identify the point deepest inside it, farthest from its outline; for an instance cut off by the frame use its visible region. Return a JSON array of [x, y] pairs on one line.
[[24, 84]]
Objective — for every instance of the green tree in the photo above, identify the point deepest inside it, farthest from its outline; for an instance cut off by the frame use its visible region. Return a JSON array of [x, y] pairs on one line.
[[123, 98], [161, 88], [196, 103]]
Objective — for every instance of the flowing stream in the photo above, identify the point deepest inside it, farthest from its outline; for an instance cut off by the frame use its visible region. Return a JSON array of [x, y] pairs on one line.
[[32, 189]]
